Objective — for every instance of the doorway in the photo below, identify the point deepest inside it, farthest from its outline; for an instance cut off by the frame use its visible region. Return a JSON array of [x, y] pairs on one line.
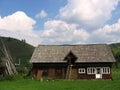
[[98, 73]]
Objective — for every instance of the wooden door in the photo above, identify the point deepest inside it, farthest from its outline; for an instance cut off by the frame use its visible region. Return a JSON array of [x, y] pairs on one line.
[[98, 73]]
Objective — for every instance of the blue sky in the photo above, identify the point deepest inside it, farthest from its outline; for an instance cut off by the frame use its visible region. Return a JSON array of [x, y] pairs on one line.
[[31, 8], [61, 21]]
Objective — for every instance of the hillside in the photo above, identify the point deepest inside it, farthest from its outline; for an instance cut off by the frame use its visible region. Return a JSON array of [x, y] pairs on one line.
[[19, 50], [116, 51]]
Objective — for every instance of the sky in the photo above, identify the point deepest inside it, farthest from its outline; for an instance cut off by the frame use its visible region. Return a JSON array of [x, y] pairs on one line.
[[58, 22]]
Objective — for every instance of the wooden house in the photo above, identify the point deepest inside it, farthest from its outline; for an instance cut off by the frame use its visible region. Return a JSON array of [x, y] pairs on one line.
[[92, 61]]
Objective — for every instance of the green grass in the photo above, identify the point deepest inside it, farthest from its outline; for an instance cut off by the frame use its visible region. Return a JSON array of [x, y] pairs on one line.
[[60, 85], [29, 84]]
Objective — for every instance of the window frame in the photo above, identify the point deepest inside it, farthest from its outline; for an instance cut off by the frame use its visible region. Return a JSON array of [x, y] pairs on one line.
[[105, 70], [81, 70], [91, 70]]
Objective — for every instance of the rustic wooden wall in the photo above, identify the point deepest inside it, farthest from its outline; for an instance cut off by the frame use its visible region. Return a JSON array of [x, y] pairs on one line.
[[74, 73], [39, 74], [53, 74]]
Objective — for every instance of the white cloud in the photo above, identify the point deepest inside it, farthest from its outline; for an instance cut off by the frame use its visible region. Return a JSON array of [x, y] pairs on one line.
[[31, 38], [76, 18], [59, 32], [18, 21], [42, 14], [107, 34], [88, 13], [20, 26]]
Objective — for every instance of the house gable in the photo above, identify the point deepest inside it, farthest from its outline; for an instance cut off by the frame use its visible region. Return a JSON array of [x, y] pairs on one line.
[[71, 58]]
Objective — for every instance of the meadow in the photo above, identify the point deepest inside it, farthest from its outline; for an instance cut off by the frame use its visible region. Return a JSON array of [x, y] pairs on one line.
[[29, 84]]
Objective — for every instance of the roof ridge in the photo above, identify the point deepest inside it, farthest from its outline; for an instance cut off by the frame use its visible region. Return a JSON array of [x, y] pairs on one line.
[[74, 44]]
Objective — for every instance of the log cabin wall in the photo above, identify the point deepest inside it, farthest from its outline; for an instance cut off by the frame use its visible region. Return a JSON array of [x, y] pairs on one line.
[[74, 73], [94, 65], [58, 70]]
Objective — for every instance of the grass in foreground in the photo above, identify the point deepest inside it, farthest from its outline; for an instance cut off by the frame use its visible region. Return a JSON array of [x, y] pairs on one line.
[[60, 85]]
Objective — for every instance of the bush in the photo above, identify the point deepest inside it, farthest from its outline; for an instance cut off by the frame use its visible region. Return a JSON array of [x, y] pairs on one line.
[[22, 70]]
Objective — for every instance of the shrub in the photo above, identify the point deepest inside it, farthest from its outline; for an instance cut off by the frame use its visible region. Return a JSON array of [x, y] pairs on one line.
[[22, 70]]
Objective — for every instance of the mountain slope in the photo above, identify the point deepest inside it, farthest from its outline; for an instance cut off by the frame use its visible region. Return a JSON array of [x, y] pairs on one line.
[[19, 50], [116, 50]]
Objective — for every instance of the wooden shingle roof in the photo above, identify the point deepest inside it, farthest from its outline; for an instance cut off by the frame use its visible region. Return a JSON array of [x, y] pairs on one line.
[[84, 53]]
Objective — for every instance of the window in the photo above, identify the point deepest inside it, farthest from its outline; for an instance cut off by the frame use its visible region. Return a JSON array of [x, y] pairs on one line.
[[81, 70], [106, 70], [91, 70]]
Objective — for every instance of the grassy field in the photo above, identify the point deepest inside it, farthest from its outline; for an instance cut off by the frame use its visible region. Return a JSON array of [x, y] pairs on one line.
[[61, 85], [28, 84]]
